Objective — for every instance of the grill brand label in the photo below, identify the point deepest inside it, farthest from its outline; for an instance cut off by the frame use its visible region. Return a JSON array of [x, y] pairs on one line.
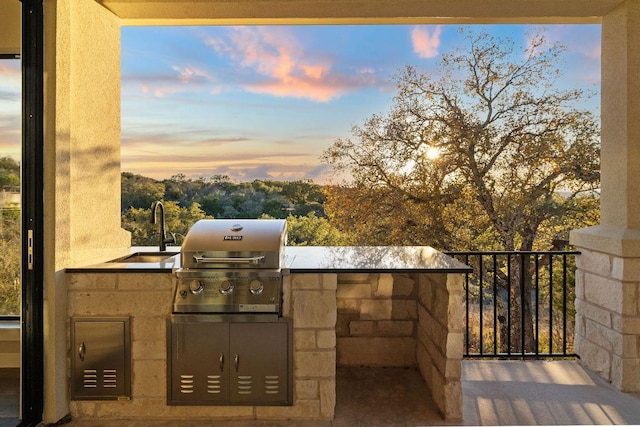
[[233, 237]]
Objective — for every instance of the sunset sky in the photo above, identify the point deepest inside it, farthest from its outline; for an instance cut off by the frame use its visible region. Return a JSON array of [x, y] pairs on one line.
[[264, 102]]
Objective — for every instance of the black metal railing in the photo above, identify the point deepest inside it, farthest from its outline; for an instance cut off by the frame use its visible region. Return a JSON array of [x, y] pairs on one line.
[[519, 304]]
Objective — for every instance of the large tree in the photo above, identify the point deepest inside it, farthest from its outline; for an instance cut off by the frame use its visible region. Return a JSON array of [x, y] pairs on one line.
[[481, 154]]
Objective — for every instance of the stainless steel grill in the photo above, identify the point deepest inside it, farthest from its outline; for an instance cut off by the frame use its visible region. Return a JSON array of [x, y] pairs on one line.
[[231, 266], [227, 342]]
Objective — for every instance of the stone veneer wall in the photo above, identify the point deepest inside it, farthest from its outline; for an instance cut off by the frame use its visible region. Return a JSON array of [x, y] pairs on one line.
[[377, 317], [405, 320], [310, 299], [440, 338], [608, 317]]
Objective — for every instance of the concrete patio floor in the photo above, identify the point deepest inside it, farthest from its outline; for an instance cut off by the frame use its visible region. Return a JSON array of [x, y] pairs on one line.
[[494, 393]]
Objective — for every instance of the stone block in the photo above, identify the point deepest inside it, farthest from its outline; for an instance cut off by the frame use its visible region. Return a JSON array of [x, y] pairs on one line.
[[304, 339], [626, 324], [306, 281], [348, 305], [142, 282], [315, 364], [594, 262], [403, 285], [604, 337], [349, 278], [455, 282], [326, 339], [80, 281], [579, 284], [404, 309], [594, 312], [306, 390], [384, 286], [354, 290], [625, 374], [376, 309], [148, 378], [149, 328], [625, 268], [604, 292], [330, 282], [595, 357], [314, 309], [361, 327], [376, 351], [452, 410], [327, 398], [395, 327], [455, 346], [104, 303], [148, 350]]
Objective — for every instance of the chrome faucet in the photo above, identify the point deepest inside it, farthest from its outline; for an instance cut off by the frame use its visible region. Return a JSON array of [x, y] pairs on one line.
[[163, 233]]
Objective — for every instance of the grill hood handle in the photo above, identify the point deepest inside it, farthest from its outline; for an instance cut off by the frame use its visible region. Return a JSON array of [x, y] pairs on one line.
[[249, 260]]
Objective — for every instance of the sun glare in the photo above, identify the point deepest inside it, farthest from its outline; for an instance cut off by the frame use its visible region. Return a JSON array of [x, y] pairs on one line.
[[432, 153]]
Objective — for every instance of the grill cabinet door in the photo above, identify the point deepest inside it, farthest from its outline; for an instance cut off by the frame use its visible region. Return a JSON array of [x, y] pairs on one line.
[[260, 362], [199, 367], [101, 361]]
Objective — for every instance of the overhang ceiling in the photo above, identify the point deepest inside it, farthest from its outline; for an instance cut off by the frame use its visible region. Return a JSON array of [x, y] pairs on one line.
[[201, 12]]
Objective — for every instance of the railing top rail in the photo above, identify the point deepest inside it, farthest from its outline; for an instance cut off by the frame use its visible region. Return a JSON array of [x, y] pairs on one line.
[[574, 252]]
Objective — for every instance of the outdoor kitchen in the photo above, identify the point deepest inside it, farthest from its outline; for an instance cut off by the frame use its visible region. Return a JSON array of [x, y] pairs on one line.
[[237, 325]]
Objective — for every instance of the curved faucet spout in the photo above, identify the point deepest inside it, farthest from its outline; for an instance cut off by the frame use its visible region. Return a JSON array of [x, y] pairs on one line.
[[163, 232]]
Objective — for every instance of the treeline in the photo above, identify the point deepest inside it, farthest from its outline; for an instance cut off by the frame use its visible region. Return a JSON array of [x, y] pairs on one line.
[[187, 200], [9, 239]]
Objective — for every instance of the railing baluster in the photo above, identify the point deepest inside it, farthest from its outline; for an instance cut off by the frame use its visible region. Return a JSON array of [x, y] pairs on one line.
[[481, 300], [484, 350], [495, 303], [537, 266], [509, 303], [522, 305], [466, 281], [564, 303], [550, 304]]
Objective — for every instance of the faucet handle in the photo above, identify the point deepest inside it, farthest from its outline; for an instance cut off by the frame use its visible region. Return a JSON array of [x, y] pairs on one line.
[[171, 238]]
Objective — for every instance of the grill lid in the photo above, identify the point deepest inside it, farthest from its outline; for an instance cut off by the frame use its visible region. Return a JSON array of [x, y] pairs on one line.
[[235, 243]]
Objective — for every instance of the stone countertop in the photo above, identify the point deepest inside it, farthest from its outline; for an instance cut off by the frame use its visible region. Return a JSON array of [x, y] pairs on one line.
[[314, 259]]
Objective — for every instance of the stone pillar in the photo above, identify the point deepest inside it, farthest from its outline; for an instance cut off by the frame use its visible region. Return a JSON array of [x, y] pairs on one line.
[[608, 275]]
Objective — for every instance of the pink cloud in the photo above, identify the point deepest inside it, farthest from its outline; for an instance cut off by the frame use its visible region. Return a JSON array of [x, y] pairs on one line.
[[285, 67], [425, 45]]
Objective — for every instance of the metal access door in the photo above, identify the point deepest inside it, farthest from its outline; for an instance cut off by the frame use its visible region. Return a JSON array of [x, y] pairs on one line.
[[261, 360], [101, 359], [198, 363]]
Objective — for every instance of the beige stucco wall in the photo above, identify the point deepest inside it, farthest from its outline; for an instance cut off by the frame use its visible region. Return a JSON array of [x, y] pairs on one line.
[[82, 163]]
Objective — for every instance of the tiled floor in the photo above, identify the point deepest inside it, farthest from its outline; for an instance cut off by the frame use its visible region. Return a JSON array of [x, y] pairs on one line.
[[9, 396], [494, 393]]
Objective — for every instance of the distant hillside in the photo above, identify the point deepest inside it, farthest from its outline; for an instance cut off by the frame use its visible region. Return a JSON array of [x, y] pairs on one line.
[[219, 197]]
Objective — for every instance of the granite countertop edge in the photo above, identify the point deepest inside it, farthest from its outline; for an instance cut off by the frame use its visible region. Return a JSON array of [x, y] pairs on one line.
[[314, 259]]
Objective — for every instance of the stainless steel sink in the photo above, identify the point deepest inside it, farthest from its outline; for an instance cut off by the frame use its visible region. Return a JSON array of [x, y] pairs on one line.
[[138, 257]]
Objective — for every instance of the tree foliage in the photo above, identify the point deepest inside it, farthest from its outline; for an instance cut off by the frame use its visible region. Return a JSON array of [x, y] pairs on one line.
[[10, 283], [513, 152], [485, 156]]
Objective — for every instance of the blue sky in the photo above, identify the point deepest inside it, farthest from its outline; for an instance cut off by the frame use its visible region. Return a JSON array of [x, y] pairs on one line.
[[264, 102]]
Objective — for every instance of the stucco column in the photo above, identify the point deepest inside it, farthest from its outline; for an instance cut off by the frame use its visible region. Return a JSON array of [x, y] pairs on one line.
[[608, 276]]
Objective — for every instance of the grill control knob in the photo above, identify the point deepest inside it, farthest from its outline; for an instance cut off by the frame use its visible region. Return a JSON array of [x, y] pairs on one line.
[[256, 287], [196, 287], [226, 287]]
